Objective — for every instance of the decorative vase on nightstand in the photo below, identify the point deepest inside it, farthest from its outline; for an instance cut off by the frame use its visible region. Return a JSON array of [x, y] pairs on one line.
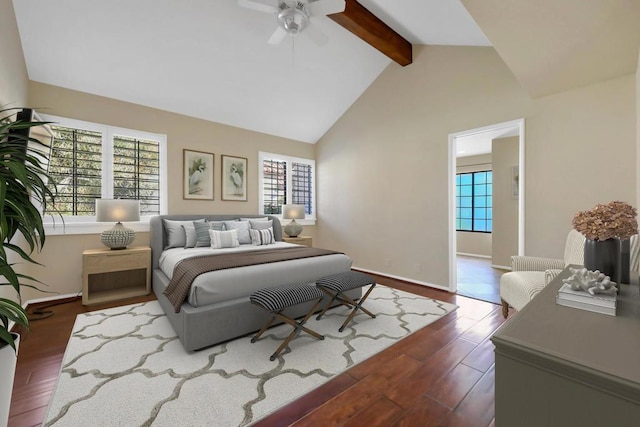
[[293, 212], [293, 229], [625, 261], [603, 255]]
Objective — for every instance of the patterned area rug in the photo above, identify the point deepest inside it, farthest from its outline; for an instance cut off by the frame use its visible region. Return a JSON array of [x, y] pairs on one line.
[[125, 365]]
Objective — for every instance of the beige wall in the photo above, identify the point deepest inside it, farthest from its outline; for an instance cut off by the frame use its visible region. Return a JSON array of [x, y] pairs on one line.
[[387, 156], [466, 242], [638, 131], [13, 79], [505, 207], [13, 70], [62, 255]]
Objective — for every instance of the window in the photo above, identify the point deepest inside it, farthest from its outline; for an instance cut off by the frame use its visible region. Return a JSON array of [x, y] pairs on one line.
[[474, 201], [286, 180], [90, 161]]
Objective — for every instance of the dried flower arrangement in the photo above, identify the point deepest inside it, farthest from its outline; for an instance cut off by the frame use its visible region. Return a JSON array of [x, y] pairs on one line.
[[602, 222]]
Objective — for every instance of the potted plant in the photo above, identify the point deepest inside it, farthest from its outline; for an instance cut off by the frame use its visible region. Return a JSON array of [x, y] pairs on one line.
[[608, 228], [23, 189]]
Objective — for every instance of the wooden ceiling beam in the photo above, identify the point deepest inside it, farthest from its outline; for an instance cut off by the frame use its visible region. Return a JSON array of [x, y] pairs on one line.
[[364, 24]]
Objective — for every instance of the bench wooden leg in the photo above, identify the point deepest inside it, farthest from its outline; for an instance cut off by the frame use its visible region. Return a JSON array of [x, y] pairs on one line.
[[298, 326], [345, 300], [357, 306], [505, 308]]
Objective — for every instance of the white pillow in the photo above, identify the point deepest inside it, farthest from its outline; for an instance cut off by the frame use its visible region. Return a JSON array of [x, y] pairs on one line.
[[224, 239], [262, 237], [243, 230], [255, 219]]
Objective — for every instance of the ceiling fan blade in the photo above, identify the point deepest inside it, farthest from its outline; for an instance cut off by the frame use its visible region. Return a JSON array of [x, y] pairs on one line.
[[316, 35], [277, 36], [325, 7], [255, 5]]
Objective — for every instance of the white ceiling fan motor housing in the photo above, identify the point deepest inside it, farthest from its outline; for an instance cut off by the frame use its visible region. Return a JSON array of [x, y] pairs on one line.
[[293, 18]]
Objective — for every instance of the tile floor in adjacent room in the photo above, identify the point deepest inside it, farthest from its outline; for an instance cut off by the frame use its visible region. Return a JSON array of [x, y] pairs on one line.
[[477, 279]]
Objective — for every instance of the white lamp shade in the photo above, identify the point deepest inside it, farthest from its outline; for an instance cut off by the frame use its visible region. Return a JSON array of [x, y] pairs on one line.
[[293, 212], [117, 210]]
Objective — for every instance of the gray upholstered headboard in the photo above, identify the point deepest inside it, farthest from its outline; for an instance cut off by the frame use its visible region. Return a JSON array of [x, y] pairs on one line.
[[158, 236]]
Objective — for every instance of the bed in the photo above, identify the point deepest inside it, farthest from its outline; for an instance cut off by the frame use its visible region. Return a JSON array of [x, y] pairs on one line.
[[217, 306]]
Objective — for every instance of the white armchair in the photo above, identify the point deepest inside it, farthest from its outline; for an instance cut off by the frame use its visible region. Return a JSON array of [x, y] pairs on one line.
[[529, 275]]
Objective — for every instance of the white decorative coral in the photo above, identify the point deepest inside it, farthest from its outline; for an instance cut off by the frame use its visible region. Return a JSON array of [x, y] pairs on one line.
[[593, 282]]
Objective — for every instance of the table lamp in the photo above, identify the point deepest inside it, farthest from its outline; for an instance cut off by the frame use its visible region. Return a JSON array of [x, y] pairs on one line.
[[293, 212], [117, 210]]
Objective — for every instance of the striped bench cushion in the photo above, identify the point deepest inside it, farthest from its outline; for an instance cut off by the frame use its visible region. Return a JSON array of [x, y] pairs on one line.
[[344, 281], [281, 297]]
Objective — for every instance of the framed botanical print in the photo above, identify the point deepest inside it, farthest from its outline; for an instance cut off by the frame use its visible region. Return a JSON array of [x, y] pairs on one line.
[[197, 175], [234, 178]]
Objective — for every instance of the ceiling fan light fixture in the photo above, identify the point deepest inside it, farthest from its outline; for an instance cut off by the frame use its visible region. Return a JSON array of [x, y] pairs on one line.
[[293, 19]]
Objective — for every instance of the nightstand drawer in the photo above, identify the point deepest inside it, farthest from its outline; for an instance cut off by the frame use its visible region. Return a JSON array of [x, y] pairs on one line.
[[115, 262]]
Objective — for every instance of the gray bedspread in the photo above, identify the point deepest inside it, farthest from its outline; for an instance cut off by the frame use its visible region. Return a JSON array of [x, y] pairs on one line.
[[187, 270]]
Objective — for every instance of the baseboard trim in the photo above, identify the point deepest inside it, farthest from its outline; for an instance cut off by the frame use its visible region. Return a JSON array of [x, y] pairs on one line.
[[404, 279], [501, 267], [52, 298], [474, 255]]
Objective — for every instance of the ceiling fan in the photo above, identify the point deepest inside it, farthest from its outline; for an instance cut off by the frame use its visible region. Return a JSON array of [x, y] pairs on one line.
[[293, 16]]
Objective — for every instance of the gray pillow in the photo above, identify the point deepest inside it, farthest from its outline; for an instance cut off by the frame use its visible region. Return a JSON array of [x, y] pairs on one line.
[[216, 225], [190, 234], [243, 230], [176, 237], [261, 225], [255, 219]]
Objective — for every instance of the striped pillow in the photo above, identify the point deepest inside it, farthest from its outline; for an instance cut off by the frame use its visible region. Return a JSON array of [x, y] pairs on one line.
[[262, 237], [202, 234], [223, 239]]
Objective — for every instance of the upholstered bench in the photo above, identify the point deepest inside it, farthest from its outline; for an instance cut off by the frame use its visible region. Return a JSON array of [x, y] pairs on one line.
[[277, 299], [337, 284]]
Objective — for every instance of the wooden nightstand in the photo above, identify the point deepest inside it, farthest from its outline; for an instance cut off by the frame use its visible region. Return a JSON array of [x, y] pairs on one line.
[[300, 240], [109, 275]]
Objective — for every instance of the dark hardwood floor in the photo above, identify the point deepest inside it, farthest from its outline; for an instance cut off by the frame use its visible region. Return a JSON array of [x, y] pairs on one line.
[[442, 375]]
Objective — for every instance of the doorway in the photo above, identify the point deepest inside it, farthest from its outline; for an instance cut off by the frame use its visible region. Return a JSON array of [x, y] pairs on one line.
[[491, 151]]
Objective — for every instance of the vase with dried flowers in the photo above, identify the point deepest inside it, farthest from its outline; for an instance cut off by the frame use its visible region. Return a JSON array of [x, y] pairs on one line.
[[607, 229]]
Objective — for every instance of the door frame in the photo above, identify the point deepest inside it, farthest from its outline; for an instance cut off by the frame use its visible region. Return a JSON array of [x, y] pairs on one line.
[[453, 276]]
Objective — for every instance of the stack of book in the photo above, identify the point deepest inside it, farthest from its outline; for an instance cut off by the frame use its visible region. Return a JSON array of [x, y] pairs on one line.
[[605, 304]]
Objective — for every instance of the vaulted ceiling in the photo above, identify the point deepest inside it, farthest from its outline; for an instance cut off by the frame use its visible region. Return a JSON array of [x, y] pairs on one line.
[[211, 60]]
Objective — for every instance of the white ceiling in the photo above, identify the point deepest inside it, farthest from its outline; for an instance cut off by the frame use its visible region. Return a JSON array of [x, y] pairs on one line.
[[210, 59], [477, 143], [552, 46]]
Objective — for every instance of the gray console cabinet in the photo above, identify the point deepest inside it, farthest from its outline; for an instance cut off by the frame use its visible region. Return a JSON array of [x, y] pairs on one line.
[[561, 366]]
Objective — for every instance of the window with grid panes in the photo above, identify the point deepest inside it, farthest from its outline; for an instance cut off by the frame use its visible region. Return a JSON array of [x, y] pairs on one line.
[[474, 191], [286, 180], [104, 162], [75, 165], [136, 172], [274, 188]]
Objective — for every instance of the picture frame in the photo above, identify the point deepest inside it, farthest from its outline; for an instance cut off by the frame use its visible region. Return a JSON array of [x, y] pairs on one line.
[[197, 177], [234, 178], [515, 181]]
